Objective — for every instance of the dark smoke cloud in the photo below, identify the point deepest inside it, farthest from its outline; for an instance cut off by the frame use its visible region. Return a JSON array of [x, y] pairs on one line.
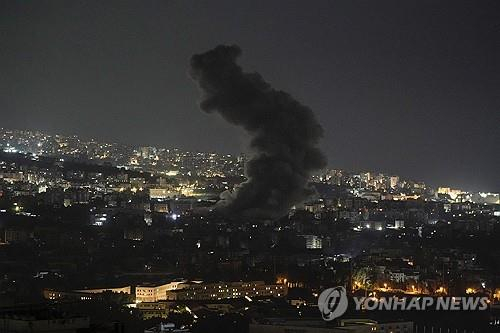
[[284, 134]]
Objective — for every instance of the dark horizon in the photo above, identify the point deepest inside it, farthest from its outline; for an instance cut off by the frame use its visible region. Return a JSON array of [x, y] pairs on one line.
[[405, 88]]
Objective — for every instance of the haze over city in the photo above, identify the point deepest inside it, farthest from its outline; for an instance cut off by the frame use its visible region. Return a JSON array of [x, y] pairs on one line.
[[408, 88]]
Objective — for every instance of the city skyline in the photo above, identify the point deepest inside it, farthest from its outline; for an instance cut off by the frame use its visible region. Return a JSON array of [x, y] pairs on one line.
[[406, 88], [138, 147]]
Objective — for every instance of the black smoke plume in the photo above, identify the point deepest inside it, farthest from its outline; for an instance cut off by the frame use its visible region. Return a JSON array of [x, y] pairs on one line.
[[284, 134]]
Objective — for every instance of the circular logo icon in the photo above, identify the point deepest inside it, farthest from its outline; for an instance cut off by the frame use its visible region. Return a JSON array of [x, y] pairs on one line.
[[332, 303]]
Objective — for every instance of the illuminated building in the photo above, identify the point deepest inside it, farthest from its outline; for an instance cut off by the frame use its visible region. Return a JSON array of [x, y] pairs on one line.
[[226, 290], [162, 193], [154, 293], [394, 181], [453, 193], [84, 294], [313, 242]]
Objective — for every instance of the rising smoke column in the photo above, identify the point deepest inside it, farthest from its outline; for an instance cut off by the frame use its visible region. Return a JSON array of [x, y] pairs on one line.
[[284, 134]]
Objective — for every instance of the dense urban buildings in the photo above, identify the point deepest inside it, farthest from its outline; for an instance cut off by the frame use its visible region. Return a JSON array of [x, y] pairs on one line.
[[90, 223], [275, 166]]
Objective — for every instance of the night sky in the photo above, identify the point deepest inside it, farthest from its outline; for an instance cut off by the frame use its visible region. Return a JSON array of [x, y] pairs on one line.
[[406, 87]]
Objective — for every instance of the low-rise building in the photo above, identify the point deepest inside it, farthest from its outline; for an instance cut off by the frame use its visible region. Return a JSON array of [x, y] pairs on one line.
[[157, 292], [226, 290]]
